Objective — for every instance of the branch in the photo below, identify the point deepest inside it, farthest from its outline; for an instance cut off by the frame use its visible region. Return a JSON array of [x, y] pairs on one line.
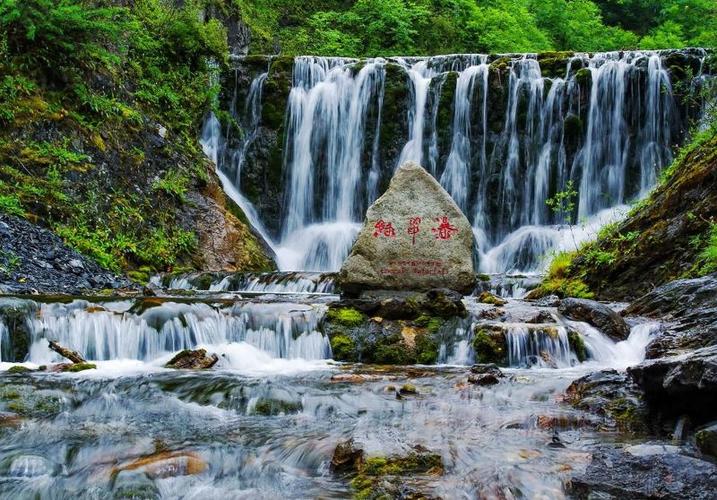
[[73, 356]]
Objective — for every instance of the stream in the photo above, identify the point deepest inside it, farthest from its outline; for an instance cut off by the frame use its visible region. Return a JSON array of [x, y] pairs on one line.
[[264, 422]]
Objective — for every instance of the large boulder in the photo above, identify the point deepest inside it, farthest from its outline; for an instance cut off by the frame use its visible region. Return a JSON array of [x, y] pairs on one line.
[[690, 308], [681, 384], [596, 314], [414, 238], [642, 472]]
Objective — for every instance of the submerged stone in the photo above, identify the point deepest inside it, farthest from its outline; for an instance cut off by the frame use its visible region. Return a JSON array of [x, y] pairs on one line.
[[414, 238]]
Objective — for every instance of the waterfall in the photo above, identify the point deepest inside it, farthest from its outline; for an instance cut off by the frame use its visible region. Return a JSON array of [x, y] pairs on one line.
[[456, 176], [114, 331], [529, 345], [516, 133], [213, 145]]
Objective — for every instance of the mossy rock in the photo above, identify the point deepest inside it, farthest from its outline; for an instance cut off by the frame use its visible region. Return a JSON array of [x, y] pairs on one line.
[[79, 367], [385, 477], [343, 348], [346, 316], [14, 313], [584, 76], [577, 345], [28, 401], [18, 369], [490, 346], [272, 407], [489, 298]]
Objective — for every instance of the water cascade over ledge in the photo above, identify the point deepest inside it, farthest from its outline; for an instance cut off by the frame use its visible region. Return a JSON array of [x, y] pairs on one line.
[[321, 137]]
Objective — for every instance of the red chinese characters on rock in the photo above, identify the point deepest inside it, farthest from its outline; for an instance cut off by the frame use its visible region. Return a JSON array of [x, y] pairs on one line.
[[414, 226], [444, 230], [383, 228]]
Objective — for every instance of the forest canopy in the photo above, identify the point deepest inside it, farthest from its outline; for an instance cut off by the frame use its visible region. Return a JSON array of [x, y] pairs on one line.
[[422, 27]]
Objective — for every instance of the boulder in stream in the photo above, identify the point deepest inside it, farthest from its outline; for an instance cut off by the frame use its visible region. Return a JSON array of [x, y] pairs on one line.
[[192, 360], [414, 238], [596, 314], [644, 471]]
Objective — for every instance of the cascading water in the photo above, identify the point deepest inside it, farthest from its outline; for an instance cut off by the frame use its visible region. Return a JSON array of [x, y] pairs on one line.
[[116, 331], [517, 133]]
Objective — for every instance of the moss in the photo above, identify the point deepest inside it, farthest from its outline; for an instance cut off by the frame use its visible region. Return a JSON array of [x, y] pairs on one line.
[[79, 367], [381, 477], [577, 345], [18, 369], [272, 407], [584, 76], [346, 316], [343, 348], [490, 347], [391, 354], [627, 415], [426, 349], [484, 278], [489, 298]]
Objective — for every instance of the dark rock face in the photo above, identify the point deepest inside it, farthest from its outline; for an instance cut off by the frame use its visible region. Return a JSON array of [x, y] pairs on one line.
[[691, 305], [35, 260], [485, 375], [637, 474], [596, 314], [192, 360], [681, 384], [706, 440], [612, 396], [13, 314]]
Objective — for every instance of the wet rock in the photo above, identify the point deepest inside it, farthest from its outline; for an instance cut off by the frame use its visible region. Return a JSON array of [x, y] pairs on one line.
[[408, 390], [487, 374], [356, 337], [268, 407], [347, 457], [14, 313], [706, 440], [615, 473], [414, 238], [192, 360], [72, 367], [391, 477], [489, 345], [548, 301], [681, 384], [596, 314], [489, 298], [564, 421], [165, 464], [18, 369], [612, 396], [690, 309]]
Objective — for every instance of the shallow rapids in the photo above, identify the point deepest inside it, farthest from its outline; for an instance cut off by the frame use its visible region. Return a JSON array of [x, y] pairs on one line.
[[265, 421]]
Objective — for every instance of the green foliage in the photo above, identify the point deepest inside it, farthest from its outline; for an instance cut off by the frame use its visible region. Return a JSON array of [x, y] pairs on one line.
[[174, 183], [343, 348], [10, 204], [563, 202], [708, 255], [561, 281], [422, 27], [9, 262]]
